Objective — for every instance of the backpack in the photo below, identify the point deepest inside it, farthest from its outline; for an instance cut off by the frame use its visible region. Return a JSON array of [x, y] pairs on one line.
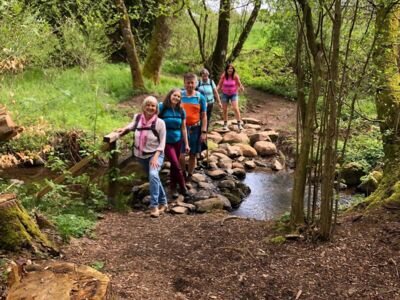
[[200, 83], [152, 127]]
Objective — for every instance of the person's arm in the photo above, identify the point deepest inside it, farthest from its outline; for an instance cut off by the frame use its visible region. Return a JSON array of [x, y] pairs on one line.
[[216, 95], [185, 136], [220, 82], [162, 133], [203, 116], [239, 83]]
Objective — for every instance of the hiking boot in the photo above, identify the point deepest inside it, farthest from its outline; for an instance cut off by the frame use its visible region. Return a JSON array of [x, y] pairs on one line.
[[189, 177], [175, 195], [162, 208], [225, 127], [154, 213]]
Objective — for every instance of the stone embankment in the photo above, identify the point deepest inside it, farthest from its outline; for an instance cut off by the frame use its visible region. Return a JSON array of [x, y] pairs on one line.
[[217, 183]]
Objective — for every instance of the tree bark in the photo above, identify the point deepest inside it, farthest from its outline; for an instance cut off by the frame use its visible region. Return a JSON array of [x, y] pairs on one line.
[[18, 231], [307, 137], [246, 31], [157, 48], [221, 47], [388, 101], [329, 162], [130, 47]]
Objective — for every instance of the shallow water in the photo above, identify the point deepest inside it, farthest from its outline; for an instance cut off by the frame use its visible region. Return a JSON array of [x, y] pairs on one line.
[[271, 195]]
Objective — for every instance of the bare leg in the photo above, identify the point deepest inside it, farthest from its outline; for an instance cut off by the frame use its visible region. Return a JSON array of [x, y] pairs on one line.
[[192, 163], [225, 111], [235, 107]]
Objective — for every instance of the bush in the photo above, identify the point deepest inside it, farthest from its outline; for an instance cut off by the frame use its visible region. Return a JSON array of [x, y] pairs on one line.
[[26, 40]]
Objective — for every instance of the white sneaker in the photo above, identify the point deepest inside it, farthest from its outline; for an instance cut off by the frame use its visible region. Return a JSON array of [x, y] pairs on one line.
[[225, 127], [239, 126]]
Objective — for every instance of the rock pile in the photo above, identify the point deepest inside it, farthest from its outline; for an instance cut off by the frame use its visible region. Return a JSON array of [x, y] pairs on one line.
[[217, 183]]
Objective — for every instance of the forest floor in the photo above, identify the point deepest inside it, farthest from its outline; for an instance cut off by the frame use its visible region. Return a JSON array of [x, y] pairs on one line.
[[207, 256]]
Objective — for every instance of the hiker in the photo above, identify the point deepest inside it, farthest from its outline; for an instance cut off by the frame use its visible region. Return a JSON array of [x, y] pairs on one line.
[[149, 144], [207, 87], [195, 106], [174, 117], [230, 85]]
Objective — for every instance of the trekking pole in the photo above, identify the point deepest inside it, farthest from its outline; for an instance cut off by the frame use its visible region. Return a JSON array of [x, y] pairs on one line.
[[208, 161]]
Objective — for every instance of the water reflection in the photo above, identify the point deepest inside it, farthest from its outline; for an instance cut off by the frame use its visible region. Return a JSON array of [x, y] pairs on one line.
[[270, 195]]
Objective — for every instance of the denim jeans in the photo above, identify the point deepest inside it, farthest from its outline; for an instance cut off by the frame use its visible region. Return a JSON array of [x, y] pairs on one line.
[[157, 193]]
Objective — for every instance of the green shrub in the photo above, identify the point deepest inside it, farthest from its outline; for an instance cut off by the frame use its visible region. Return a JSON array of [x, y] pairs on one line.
[[26, 40], [73, 225]]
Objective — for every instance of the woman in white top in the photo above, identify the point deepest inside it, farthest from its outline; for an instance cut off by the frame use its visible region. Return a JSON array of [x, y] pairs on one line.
[[150, 136]]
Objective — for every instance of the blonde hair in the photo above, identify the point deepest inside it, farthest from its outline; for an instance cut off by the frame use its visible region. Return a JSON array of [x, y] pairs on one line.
[[150, 99]]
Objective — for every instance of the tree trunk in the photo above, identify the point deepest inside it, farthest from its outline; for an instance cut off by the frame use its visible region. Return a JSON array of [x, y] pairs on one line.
[[307, 137], [18, 230], [221, 47], [157, 48], [246, 31], [63, 281], [329, 162], [130, 47], [388, 102]]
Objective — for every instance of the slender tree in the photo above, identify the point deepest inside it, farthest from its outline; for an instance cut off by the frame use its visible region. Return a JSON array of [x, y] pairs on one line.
[[130, 46]]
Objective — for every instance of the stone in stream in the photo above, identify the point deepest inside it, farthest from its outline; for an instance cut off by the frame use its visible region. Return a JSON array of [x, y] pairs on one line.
[[198, 177], [265, 148], [234, 137], [259, 136], [206, 185], [216, 174], [276, 165], [247, 150], [239, 173], [250, 164], [237, 164], [251, 121], [234, 151], [252, 126], [203, 194], [241, 159], [228, 184], [208, 205], [215, 137], [233, 199], [225, 164], [226, 203], [220, 153], [221, 156]]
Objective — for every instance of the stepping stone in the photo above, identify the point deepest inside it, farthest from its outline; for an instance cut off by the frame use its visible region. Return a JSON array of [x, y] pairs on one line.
[[250, 164], [265, 148], [216, 174], [251, 121], [179, 210]]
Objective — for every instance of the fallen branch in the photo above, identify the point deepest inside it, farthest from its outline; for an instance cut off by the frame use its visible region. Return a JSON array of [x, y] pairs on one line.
[[231, 218]]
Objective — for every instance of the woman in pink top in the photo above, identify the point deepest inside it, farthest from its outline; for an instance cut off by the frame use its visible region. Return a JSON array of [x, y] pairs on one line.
[[230, 84]]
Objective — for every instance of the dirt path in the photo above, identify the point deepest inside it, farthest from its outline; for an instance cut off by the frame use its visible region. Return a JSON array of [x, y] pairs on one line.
[[194, 257]]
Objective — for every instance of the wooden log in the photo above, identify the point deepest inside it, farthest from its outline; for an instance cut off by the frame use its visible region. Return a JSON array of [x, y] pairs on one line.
[[72, 171], [62, 281], [112, 183], [18, 231]]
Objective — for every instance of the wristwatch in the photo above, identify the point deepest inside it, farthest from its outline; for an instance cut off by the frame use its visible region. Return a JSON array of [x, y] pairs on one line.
[[204, 131]]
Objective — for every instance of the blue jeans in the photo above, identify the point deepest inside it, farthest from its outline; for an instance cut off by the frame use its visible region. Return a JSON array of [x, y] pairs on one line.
[[157, 193]]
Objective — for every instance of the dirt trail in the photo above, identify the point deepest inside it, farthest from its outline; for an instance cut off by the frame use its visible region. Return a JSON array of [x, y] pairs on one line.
[[194, 257]]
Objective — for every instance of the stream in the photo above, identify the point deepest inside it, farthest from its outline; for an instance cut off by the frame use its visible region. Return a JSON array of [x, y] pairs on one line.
[[271, 195]]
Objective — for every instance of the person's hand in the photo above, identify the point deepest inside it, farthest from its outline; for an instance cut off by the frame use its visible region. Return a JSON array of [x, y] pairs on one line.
[[120, 131], [242, 88], [203, 137], [154, 163], [187, 149]]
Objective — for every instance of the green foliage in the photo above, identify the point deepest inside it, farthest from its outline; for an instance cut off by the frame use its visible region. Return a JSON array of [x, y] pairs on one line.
[[84, 45], [73, 225], [277, 240], [365, 148], [25, 37]]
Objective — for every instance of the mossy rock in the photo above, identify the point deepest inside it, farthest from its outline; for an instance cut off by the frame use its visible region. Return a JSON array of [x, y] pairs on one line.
[[233, 199], [351, 173], [393, 202], [370, 182]]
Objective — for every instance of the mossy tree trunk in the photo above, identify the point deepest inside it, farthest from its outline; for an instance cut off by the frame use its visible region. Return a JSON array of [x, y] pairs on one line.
[[130, 46], [157, 48], [18, 231], [386, 57]]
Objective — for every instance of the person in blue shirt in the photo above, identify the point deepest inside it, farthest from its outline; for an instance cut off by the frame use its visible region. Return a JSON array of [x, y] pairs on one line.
[[174, 117], [207, 87]]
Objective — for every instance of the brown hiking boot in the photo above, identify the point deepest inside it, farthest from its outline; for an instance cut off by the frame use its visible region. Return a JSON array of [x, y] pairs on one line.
[[154, 213], [162, 208]]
